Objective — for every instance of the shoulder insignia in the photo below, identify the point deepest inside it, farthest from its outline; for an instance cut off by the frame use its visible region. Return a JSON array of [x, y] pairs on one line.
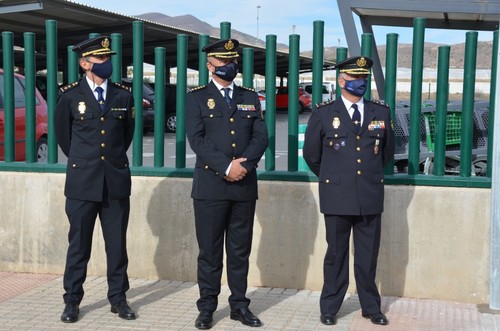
[[197, 88], [247, 88], [68, 87], [381, 103], [322, 104], [126, 88]]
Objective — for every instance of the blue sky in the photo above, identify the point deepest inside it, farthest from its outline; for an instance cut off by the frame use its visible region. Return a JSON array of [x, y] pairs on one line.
[[280, 18]]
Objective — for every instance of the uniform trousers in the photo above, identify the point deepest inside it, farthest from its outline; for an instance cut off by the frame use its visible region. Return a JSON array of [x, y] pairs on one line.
[[114, 221], [214, 220], [366, 237]]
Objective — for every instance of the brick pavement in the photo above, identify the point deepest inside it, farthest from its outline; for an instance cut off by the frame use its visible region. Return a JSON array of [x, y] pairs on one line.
[[34, 302]]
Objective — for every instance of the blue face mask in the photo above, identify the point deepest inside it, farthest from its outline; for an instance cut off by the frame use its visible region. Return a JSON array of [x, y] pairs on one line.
[[103, 70], [356, 87], [227, 72]]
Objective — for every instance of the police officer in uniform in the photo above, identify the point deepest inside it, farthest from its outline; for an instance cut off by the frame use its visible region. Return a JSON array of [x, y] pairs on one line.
[[226, 130], [94, 125], [347, 144]]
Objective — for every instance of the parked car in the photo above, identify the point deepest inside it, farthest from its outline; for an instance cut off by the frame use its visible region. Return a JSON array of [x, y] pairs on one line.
[[20, 121], [328, 90], [170, 106], [262, 98], [148, 105], [304, 103]]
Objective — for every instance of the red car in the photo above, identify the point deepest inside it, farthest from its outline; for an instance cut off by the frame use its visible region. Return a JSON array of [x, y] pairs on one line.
[[20, 121], [305, 99]]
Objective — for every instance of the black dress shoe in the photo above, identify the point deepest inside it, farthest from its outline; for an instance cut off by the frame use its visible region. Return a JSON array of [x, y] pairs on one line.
[[379, 318], [204, 320], [70, 313], [123, 310], [245, 316], [328, 319]]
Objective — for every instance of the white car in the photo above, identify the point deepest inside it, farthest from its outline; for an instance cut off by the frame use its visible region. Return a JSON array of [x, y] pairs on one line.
[[328, 90]]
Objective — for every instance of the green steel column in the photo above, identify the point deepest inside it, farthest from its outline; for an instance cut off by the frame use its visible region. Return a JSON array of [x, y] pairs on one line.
[[270, 115], [180, 132], [202, 62], [416, 95], [29, 75], [138, 62], [73, 65], [225, 30], [8, 95], [366, 50], [391, 68], [491, 112], [52, 91], [293, 103], [248, 67], [441, 109], [159, 121], [341, 56], [318, 55], [116, 60], [468, 103]]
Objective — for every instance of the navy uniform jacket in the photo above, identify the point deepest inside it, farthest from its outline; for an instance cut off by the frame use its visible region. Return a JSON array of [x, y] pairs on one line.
[[350, 166], [95, 141], [219, 133]]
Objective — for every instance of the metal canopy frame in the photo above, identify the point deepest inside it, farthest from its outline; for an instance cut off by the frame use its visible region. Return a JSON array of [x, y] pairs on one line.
[[477, 15]]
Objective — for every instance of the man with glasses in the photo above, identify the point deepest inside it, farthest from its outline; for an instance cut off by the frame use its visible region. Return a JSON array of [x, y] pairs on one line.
[[347, 144], [94, 125]]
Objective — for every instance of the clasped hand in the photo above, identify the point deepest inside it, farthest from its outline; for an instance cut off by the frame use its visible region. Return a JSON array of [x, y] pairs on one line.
[[237, 171]]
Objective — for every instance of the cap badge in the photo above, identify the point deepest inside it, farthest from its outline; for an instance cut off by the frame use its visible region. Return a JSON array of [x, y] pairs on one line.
[[361, 62], [229, 45], [105, 43]]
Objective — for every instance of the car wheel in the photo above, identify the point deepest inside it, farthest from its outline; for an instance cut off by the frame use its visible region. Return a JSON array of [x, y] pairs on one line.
[[171, 122], [301, 108], [42, 150]]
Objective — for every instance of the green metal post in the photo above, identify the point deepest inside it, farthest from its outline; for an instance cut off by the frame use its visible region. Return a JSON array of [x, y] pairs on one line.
[[52, 90], [73, 65], [468, 103], [491, 112], [416, 95], [318, 55], [159, 121], [180, 132], [293, 103], [225, 30], [116, 60], [202, 62], [441, 109], [29, 75], [366, 50], [271, 102], [391, 68], [248, 67], [137, 81], [8, 95], [341, 56]]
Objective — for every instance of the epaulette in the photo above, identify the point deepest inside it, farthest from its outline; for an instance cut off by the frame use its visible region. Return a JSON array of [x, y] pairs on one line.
[[381, 103], [247, 88], [325, 103], [129, 89], [68, 87], [197, 88]]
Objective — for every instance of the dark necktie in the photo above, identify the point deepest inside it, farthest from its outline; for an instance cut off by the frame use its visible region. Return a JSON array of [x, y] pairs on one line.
[[356, 117], [100, 97], [226, 95]]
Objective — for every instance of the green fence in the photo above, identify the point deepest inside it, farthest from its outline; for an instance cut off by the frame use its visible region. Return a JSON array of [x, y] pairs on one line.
[[295, 171]]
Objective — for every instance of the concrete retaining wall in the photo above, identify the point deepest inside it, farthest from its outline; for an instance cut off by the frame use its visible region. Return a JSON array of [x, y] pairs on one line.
[[435, 241]]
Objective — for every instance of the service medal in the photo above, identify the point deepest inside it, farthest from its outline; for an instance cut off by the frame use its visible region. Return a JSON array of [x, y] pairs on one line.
[[82, 108], [211, 103], [336, 122]]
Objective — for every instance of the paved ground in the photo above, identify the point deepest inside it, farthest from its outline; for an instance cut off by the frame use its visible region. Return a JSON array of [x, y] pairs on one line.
[[34, 302]]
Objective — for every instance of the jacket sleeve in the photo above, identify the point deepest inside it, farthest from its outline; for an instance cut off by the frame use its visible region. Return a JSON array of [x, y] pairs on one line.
[[389, 146], [313, 143], [62, 124], [259, 141], [130, 125]]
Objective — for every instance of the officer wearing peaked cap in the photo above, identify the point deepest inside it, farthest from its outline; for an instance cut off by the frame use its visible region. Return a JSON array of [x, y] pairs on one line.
[[347, 144], [229, 136], [94, 126]]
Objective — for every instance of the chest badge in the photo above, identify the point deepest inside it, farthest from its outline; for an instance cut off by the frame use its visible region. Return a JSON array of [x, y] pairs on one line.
[[82, 108], [211, 103], [336, 122]]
